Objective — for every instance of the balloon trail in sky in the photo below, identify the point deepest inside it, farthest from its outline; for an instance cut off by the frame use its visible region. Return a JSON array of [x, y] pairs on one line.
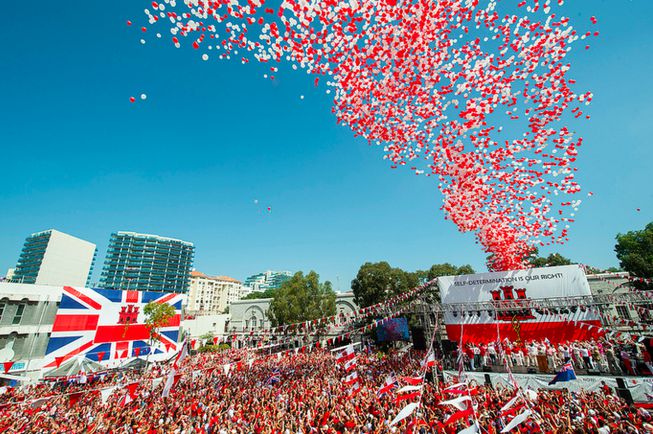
[[475, 93]]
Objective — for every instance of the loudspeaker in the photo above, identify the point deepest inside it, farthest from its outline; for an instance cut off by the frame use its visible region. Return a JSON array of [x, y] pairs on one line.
[[448, 346], [621, 384], [532, 370], [625, 395], [593, 372], [487, 368], [419, 342], [488, 381]]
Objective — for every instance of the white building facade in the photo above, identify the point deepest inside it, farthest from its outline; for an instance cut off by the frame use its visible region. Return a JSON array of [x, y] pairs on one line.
[[267, 280], [251, 315], [212, 294], [55, 258]]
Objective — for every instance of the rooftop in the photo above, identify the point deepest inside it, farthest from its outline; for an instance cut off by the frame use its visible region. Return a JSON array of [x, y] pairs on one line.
[[152, 236], [196, 273]]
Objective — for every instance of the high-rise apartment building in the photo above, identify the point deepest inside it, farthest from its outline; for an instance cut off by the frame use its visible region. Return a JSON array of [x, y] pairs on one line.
[[212, 294], [267, 280], [146, 262], [54, 258]]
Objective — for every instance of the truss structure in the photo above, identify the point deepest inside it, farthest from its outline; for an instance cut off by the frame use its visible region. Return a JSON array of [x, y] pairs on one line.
[[559, 304]]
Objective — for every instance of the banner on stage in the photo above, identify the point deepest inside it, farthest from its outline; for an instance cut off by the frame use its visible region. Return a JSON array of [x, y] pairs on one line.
[[108, 326], [526, 320], [641, 388]]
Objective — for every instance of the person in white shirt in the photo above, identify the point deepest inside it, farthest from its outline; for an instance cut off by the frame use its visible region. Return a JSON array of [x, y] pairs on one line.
[[587, 359], [492, 353], [532, 354]]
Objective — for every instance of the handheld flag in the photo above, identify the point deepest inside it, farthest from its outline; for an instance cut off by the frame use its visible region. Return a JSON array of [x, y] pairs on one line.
[[390, 383], [566, 373], [429, 362], [274, 378], [346, 354]]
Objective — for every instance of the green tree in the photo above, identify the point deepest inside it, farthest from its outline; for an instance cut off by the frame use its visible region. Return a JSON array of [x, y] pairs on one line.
[[302, 298], [157, 315], [635, 253], [378, 281], [268, 293], [553, 260], [446, 269]]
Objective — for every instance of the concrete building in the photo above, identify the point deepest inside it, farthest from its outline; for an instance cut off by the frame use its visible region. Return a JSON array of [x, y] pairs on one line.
[[54, 258], [26, 316], [247, 315], [267, 280], [201, 325], [145, 262], [613, 283], [9, 275], [212, 294]]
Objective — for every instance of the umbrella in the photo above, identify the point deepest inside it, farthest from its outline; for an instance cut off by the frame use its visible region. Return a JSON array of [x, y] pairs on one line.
[[74, 367]]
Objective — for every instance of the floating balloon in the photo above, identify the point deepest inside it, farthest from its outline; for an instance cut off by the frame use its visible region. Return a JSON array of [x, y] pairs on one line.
[[434, 82]]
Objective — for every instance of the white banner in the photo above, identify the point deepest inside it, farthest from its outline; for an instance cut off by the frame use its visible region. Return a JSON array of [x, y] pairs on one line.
[[641, 388], [562, 281], [519, 289]]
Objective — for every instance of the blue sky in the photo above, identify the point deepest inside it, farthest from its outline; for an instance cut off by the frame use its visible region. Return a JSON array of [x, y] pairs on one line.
[[213, 137]]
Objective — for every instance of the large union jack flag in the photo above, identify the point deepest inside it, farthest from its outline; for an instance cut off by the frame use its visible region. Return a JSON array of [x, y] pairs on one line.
[[107, 325]]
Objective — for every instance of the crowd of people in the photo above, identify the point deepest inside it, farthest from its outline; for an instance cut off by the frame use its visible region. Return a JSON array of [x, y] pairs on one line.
[[624, 357], [297, 393]]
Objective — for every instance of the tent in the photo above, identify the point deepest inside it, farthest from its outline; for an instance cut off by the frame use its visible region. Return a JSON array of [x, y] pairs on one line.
[[135, 363], [73, 367]]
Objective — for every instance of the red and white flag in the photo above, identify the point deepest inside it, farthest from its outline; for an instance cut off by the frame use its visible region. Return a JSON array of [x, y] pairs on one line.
[[413, 381], [346, 354], [354, 390], [429, 362], [351, 378], [350, 365], [170, 381], [459, 403], [409, 389], [407, 396], [183, 353], [516, 421], [404, 413]]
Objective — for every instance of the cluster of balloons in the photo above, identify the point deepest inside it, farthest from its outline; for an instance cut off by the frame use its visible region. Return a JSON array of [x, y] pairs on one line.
[[475, 93]]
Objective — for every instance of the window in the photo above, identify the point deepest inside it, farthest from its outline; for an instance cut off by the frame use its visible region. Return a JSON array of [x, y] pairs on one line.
[[19, 314], [623, 312], [2, 310], [253, 321]]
